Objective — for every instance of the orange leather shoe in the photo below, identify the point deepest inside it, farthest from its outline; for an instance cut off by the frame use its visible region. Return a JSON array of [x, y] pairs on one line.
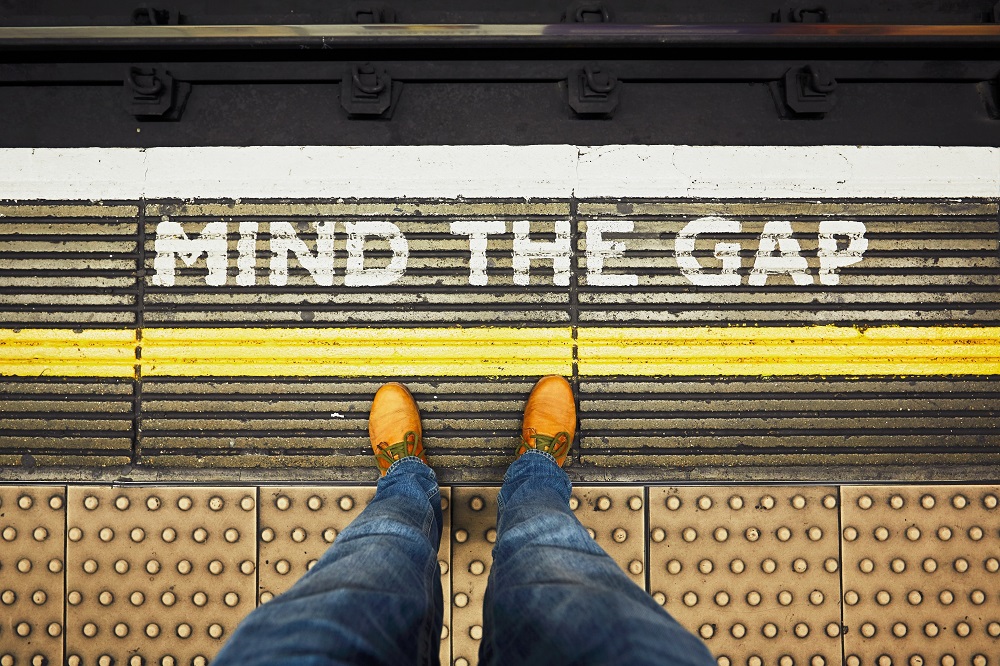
[[549, 418], [394, 426]]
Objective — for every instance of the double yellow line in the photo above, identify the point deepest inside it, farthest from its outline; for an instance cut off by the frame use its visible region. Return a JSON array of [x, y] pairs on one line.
[[499, 352]]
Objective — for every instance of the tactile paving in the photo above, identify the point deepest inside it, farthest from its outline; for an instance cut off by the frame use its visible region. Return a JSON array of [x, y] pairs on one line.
[[474, 522], [754, 571], [157, 575], [616, 519], [31, 574], [921, 575]]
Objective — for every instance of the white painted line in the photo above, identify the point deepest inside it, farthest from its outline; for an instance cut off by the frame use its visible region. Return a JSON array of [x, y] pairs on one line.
[[520, 172]]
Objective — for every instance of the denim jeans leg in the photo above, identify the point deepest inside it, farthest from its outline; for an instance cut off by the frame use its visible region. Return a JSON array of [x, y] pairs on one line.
[[373, 598], [554, 595]]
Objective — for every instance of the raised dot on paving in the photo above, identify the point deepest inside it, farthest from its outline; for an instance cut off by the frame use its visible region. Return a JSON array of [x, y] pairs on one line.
[[754, 571], [148, 574], [918, 589]]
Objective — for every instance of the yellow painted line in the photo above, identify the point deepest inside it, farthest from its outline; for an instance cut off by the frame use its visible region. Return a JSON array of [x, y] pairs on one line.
[[357, 352], [60, 352], [781, 351], [503, 352]]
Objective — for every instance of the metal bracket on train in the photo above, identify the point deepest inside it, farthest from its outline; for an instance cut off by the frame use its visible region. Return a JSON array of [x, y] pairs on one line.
[[805, 92], [368, 92], [371, 14], [593, 92], [151, 93], [587, 12], [800, 14], [146, 15]]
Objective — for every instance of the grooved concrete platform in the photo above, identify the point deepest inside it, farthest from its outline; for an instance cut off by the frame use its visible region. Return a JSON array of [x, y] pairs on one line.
[[766, 575]]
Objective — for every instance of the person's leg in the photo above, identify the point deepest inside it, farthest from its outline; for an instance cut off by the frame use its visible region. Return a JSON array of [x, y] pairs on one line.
[[375, 595], [554, 596], [373, 598]]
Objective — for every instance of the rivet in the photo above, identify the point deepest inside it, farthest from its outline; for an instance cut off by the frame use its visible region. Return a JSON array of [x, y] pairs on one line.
[[9, 534], [829, 501], [635, 567], [476, 632], [786, 660], [635, 503], [40, 534], [946, 597], [963, 629], [56, 502], [90, 630], [75, 534], [232, 535], [947, 660], [881, 533], [121, 630], [704, 502], [574, 502], [72, 660], [231, 599], [752, 534], [54, 629], [183, 630], [975, 533], [216, 503], [282, 567], [928, 502], [24, 565], [184, 567], [738, 630], [867, 629], [830, 564], [444, 631], [592, 533], [90, 566], [913, 533], [298, 535], [798, 502], [768, 566], [930, 565], [883, 660], [853, 660], [23, 629], [689, 534], [914, 597], [8, 597], [674, 567], [897, 502], [989, 501], [961, 565], [882, 597], [476, 568], [39, 597], [783, 534], [660, 598], [816, 598], [706, 631], [754, 660], [461, 600], [658, 534], [735, 502], [329, 534], [814, 533], [898, 565], [461, 536], [705, 566], [944, 533], [246, 567], [491, 535], [169, 534], [817, 660], [833, 630], [247, 503], [673, 502], [90, 502], [137, 534], [690, 599], [215, 631], [476, 503], [55, 565], [723, 660], [959, 501], [106, 534], [122, 503], [769, 630], [461, 661], [979, 660], [265, 597], [346, 503], [121, 566], [850, 533], [105, 660], [106, 598], [199, 660], [722, 598], [603, 503], [200, 535], [137, 598], [267, 535], [865, 502], [801, 630], [737, 566], [993, 629], [766, 502], [992, 565], [851, 598], [784, 597], [199, 599], [753, 598], [899, 630], [168, 599], [619, 535], [153, 503], [152, 630], [215, 567], [74, 598], [720, 534], [314, 503], [184, 503], [25, 502]]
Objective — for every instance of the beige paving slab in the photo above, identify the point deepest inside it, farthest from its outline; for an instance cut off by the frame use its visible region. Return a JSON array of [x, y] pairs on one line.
[[921, 575], [754, 571], [32, 520], [157, 575], [616, 519], [473, 523]]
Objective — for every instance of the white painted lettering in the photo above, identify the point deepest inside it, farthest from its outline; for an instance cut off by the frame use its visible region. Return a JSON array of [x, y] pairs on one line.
[[171, 242], [246, 258], [727, 253], [526, 249], [285, 240], [599, 249], [788, 260], [359, 276], [832, 259], [478, 231]]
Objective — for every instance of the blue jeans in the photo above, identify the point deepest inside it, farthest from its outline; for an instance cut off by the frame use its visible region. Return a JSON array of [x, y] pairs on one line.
[[554, 595]]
